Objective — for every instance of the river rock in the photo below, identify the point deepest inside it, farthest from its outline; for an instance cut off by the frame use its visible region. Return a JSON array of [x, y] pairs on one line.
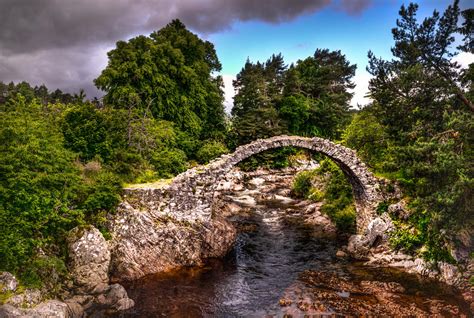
[[116, 298], [257, 181], [399, 210], [89, 259], [449, 273], [378, 228], [8, 282], [357, 247], [51, 308], [27, 299]]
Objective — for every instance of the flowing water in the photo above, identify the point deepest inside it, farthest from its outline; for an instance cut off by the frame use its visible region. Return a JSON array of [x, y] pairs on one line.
[[281, 266]]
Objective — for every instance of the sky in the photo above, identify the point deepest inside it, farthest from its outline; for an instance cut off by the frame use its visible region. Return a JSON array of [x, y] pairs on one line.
[[64, 43]]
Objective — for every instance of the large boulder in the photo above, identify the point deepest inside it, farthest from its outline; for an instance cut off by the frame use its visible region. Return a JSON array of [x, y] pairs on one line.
[[145, 243], [89, 259], [377, 232]]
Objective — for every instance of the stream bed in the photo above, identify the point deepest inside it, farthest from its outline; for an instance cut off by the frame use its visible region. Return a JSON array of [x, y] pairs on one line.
[[283, 267]]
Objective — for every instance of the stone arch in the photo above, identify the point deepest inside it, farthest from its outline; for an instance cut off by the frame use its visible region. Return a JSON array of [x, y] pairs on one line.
[[194, 189]]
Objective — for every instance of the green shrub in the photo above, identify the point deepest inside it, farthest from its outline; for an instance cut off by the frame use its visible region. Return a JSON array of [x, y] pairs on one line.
[[47, 272], [407, 240], [382, 207], [210, 150], [302, 184], [169, 162], [335, 191], [315, 195]]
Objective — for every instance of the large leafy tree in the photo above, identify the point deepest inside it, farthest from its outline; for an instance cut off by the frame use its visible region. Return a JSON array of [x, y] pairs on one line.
[[171, 74]]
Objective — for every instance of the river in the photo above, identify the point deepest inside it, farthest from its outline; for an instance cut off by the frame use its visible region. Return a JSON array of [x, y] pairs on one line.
[[283, 267]]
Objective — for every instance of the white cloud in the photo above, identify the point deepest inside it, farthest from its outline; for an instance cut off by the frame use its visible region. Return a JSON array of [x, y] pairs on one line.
[[361, 79], [228, 92], [464, 59]]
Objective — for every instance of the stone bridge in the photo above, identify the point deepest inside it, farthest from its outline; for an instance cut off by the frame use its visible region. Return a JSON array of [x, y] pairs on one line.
[[159, 228], [192, 193]]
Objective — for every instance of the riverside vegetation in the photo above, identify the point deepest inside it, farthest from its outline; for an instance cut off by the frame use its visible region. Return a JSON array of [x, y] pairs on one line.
[[64, 159]]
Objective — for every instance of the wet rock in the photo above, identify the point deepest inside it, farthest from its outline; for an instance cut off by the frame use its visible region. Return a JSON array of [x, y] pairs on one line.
[[74, 310], [116, 298], [371, 298], [378, 228], [245, 200], [8, 282], [257, 181], [89, 259], [357, 247]]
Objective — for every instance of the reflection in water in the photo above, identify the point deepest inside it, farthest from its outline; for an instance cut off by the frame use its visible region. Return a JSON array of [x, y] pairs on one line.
[[266, 267]]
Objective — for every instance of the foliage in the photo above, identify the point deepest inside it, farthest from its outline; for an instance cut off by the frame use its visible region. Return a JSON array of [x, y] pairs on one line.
[[419, 129], [310, 98], [9, 92], [316, 94], [169, 162], [37, 181], [329, 185], [49, 273], [338, 200], [302, 184], [271, 159], [44, 192], [170, 74], [210, 150], [85, 131], [368, 136]]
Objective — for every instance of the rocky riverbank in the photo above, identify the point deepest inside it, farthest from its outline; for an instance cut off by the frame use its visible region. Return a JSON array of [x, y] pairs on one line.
[[288, 259], [90, 290], [147, 238]]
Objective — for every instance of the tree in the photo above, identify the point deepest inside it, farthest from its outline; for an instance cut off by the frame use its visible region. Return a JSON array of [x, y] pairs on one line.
[[315, 97], [422, 101], [258, 88], [171, 74], [426, 48]]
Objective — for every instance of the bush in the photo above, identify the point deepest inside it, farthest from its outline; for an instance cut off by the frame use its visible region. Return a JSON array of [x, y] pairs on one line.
[[47, 272], [169, 162], [210, 150], [302, 184], [335, 192]]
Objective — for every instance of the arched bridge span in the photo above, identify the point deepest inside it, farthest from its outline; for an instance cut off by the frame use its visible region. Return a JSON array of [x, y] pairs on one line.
[[194, 189]]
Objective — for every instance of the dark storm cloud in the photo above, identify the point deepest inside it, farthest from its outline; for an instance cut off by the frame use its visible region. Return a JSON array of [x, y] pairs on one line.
[[57, 42], [354, 6]]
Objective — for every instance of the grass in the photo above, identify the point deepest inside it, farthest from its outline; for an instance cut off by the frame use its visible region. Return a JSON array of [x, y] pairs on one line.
[[150, 185]]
